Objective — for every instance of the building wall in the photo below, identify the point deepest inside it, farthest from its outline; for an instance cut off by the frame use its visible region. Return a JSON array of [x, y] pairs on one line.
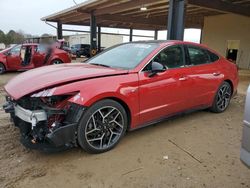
[[106, 40], [229, 30], [2, 46]]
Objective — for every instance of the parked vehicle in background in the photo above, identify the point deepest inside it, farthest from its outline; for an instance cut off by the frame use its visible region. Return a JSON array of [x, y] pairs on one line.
[[80, 50], [126, 87], [245, 147], [29, 56]]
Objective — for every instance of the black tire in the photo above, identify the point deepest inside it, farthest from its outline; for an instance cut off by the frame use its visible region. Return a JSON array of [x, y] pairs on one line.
[[97, 134], [222, 98], [2, 68], [56, 62]]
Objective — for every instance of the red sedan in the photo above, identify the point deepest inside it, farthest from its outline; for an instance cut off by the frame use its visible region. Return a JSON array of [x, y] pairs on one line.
[[124, 88], [29, 56]]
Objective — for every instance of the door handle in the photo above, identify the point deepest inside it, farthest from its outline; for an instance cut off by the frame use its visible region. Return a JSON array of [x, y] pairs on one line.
[[216, 74], [183, 78]]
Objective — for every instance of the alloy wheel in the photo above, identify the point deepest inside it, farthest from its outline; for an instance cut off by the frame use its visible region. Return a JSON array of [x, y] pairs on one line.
[[104, 127], [2, 68], [223, 97], [57, 62]]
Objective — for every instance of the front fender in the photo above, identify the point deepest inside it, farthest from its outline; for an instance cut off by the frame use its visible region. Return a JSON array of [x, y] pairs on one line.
[[122, 87]]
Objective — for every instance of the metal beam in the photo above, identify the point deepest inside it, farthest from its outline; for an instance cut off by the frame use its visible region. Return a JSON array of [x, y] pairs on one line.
[[130, 35], [59, 30], [99, 38], [106, 33], [176, 23], [126, 19], [125, 6], [156, 35], [223, 6], [93, 40]]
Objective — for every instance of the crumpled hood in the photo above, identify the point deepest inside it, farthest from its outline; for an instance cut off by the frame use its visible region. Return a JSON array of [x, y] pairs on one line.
[[48, 76]]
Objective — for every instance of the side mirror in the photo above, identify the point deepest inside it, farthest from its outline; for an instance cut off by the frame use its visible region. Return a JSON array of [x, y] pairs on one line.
[[156, 68]]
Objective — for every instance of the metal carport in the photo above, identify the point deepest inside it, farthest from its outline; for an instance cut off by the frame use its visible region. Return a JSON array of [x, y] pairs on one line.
[[174, 15]]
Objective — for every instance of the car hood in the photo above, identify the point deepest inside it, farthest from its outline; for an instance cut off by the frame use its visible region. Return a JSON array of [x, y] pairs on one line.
[[49, 76]]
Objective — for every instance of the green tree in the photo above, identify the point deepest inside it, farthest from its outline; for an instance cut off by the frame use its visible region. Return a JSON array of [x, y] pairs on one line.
[[2, 37], [13, 37]]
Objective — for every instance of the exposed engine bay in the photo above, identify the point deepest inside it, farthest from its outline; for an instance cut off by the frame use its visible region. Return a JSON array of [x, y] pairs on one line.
[[45, 123]]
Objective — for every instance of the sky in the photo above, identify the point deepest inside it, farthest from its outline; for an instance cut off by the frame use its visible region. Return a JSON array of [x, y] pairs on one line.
[[26, 15]]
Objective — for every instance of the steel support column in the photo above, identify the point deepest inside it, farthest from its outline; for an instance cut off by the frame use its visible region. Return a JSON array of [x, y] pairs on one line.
[[201, 37], [130, 35], [156, 35], [99, 38], [93, 45], [176, 19], [59, 31]]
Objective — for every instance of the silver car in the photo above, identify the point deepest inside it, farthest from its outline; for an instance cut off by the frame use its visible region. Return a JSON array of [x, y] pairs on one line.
[[245, 147]]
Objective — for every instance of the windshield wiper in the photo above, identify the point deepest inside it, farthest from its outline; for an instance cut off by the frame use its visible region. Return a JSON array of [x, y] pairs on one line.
[[100, 65]]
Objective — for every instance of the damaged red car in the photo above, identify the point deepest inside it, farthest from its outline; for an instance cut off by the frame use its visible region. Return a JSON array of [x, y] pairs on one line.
[[28, 56], [126, 87]]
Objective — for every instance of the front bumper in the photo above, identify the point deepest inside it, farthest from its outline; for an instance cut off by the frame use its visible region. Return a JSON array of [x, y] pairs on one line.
[[29, 116], [35, 133]]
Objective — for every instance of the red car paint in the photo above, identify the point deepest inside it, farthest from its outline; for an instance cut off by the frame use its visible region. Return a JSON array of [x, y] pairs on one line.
[[13, 61], [147, 98]]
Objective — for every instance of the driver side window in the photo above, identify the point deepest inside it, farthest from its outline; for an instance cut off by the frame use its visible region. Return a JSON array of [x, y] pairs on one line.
[[170, 57]]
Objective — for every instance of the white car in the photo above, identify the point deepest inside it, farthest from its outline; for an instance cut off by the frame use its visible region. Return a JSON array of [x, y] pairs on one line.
[[245, 147]]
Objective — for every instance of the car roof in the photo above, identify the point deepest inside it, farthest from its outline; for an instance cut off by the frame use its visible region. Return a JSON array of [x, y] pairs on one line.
[[174, 42], [165, 42]]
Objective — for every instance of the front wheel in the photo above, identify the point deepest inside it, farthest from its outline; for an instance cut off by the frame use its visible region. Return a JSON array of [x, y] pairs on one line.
[[2, 68], [222, 98], [102, 126]]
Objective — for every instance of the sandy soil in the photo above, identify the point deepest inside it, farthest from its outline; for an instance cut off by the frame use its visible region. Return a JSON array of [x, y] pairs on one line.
[[200, 149]]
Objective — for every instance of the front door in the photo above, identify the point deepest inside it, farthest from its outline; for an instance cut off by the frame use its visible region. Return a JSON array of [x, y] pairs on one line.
[[14, 59], [165, 93]]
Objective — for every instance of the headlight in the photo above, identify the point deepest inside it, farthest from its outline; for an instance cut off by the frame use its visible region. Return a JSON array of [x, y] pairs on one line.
[[44, 93]]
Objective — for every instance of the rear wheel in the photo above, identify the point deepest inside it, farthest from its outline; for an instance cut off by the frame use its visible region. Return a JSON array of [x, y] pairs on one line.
[[102, 126], [2, 68], [56, 62], [222, 98]]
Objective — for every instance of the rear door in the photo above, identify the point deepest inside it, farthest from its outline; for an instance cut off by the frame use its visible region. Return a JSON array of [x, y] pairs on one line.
[[39, 54], [204, 73], [165, 93], [14, 59]]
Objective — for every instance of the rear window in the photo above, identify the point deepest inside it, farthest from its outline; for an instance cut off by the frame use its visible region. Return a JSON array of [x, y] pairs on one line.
[[85, 46], [197, 56], [213, 56]]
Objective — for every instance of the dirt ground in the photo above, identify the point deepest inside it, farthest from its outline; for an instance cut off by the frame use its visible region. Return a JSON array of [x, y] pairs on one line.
[[200, 149]]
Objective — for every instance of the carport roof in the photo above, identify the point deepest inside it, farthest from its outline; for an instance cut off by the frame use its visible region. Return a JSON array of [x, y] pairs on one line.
[[128, 13]]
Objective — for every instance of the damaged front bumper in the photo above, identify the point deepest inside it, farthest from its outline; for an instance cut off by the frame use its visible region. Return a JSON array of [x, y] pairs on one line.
[[35, 130]]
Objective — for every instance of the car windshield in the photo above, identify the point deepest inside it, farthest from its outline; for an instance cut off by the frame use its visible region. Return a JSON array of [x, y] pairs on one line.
[[125, 56]]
